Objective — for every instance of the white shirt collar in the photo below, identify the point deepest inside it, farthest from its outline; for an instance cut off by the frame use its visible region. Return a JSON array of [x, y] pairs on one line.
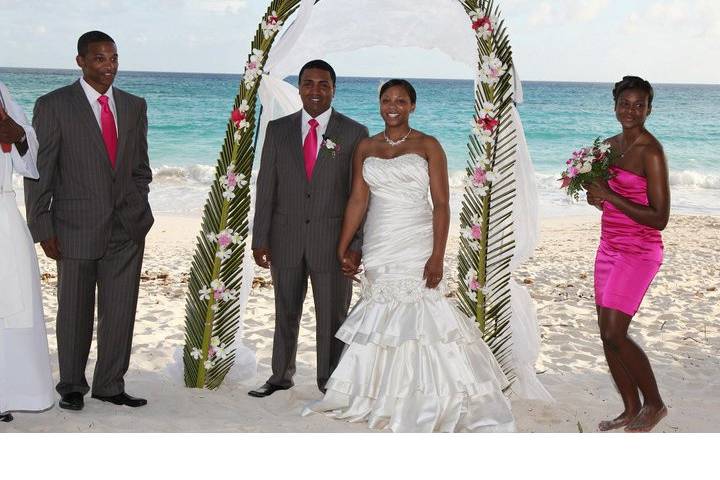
[[323, 119], [93, 94]]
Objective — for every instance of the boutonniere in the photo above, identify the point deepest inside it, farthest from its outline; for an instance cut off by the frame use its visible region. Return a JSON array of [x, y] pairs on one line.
[[330, 145]]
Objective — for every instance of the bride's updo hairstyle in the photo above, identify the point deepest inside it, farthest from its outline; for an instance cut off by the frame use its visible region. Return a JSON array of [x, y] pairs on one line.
[[399, 82], [633, 83]]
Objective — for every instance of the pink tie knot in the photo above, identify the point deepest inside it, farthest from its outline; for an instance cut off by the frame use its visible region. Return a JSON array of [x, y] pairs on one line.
[[103, 99], [313, 123]]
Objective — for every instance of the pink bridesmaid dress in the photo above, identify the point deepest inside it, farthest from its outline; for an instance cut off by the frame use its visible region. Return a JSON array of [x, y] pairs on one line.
[[629, 254]]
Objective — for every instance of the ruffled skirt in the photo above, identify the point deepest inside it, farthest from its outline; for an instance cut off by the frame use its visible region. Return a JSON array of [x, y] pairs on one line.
[[414, 363]]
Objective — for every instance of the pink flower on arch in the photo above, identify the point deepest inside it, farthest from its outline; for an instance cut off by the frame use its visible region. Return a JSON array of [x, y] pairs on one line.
[[476, 232], [479, 177], [487, 123], [238, 117], [224, 239], [231, 180]]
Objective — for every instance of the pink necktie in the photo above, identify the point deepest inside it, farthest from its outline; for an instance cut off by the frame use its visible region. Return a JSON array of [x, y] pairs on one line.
[[310, 148], [107, 123]]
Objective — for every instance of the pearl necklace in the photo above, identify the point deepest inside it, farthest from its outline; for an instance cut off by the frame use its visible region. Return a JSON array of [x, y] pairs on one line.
[[395, 143]]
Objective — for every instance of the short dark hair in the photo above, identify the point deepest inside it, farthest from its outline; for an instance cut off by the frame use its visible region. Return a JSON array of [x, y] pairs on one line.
[[87, 38], [320, 65], [399, 82], [630, 82]]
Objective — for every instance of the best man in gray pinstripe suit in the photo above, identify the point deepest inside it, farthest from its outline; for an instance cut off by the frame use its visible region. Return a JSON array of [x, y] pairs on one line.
[[89, 210], [302, 189]]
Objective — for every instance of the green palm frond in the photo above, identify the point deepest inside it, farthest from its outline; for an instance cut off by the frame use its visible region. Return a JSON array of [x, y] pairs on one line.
[[487, 259], [208, 320]]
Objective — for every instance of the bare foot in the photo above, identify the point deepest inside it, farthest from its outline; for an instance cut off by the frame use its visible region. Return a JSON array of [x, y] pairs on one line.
[[646, 420], [620, 421]]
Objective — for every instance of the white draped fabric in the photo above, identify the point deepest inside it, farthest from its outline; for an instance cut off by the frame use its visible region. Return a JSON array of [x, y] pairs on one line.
[[25, 377], [338, 26]]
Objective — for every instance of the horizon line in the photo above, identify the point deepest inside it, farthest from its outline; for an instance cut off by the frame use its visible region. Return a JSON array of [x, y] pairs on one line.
[[353, 76]]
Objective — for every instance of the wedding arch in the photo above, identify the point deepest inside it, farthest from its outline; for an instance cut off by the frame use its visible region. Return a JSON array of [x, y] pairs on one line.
[[498, 218]]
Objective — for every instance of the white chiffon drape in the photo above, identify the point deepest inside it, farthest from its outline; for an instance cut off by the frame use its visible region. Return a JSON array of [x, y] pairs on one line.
[[25, 378], [320, 29]]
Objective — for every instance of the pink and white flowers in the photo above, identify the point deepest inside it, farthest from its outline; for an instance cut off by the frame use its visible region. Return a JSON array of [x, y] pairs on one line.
[[253, 68], [484, 128], [230, 181], [239, 119], [473, 232], [218, 292], [585, 165], [482, 24], [491, 69], [471, 281], [216, 351], [271, 25]]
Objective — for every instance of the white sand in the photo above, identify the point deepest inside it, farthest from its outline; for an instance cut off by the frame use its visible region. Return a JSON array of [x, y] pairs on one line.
[[677, 324]]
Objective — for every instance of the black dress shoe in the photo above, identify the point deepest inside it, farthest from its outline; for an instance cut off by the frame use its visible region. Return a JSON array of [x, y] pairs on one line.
[[6, 417], [122, 399], [72, 401], [265, 390]]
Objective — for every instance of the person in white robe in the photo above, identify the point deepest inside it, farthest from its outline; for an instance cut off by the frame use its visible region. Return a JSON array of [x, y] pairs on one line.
[[26, 382]]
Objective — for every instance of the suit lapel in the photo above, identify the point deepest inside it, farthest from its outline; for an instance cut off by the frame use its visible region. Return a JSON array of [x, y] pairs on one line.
[[122, 120], [296, 143], [88, 123], [86, 118], [330, 133]]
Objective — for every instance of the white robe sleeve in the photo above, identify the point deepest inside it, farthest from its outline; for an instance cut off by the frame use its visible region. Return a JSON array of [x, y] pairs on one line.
[[25, 165]]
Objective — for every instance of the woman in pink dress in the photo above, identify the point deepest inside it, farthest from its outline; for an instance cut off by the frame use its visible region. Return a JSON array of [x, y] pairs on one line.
[[636, 206]]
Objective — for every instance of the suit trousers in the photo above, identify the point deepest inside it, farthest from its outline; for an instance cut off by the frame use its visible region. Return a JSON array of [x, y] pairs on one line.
[[332, 293], [117, 278]]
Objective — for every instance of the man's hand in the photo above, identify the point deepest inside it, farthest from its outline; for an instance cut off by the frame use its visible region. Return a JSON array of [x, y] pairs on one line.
[[51, 247], [10, 131], [262, 257], [350, 264]]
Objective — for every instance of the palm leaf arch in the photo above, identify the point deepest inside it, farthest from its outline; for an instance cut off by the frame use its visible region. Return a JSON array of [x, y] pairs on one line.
[[213, 312]]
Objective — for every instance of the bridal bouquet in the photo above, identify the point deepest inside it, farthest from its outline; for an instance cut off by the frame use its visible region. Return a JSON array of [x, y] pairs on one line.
[[585, 165]]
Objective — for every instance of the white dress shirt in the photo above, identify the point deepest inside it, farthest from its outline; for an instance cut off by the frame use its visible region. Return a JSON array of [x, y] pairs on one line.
[[323, 119], [93, 95]]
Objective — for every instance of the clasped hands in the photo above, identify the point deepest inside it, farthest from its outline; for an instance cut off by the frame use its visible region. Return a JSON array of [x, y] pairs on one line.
[[350, 263]]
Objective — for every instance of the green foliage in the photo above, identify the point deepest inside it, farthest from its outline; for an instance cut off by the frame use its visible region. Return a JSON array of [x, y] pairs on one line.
[[202, 322], [489, 257]]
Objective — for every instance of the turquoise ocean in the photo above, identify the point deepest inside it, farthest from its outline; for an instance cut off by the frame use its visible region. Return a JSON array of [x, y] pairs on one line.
[[187, 116]]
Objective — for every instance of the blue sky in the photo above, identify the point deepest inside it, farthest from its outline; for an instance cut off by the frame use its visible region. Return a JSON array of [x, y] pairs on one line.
[[673, 41]]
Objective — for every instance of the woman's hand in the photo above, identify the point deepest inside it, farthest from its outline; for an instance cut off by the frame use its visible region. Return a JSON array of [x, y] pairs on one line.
[[599, 191], [433, 272], [593, 200]]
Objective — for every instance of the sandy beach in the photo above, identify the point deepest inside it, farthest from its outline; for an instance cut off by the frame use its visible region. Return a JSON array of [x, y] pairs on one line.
[[677, 324]]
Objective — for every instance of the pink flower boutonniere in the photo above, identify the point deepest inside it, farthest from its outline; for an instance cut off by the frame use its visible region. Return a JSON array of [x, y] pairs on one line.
[[331, 146]]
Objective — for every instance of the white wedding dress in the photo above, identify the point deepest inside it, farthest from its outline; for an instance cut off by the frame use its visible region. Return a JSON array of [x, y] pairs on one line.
[[26, 381], [413, 361]]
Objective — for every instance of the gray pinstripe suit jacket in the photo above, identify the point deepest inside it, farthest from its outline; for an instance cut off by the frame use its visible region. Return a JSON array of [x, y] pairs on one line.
[[78, 191], [294, 216]]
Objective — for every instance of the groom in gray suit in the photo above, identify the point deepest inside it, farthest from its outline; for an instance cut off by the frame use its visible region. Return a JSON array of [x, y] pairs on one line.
[[302, 189], [89, 210]]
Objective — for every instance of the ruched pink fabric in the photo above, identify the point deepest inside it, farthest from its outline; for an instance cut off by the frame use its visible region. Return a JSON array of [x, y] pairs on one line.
[[629, 254]]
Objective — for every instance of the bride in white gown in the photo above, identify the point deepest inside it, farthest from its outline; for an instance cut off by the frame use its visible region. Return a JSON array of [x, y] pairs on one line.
[[25, 377], [413, 361]]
